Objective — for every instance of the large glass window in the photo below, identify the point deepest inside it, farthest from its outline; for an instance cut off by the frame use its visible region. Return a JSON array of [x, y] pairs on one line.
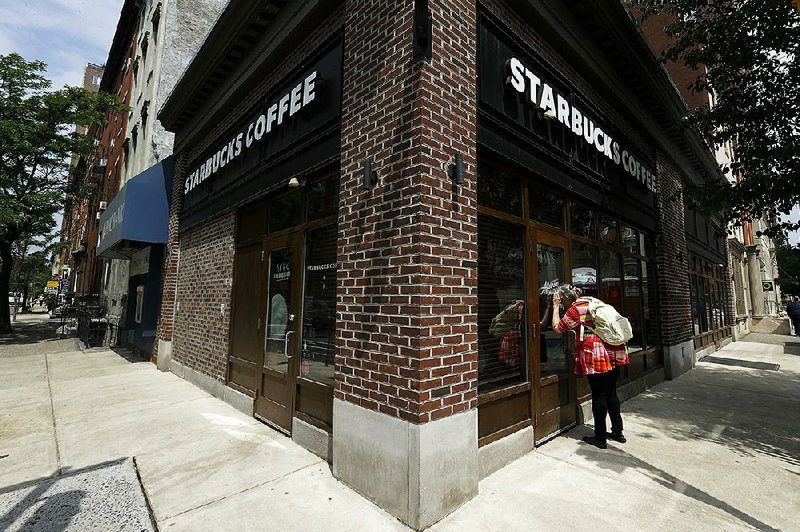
[[584, 268], [547, 208], [553, 355], [502, 351], [319, 306], [497, 190], [610, 279], [582, 221], [632, 305]]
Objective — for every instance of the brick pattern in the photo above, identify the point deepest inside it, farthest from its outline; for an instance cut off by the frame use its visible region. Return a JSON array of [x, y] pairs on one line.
[[172, 254], [672, 267], [406, 297], [203, 303]]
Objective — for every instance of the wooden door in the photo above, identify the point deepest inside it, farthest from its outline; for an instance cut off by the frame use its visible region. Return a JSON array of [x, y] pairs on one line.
[[280, 310], [555, 402]]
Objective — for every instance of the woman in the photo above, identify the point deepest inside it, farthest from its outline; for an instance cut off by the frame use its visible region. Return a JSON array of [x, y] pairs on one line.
[[599, 361]]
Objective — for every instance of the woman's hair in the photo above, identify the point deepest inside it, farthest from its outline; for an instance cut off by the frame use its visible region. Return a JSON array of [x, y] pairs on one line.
[[567, 291]]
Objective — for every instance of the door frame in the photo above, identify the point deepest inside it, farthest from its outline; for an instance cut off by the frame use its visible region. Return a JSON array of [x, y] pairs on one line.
[[293, 240], [540, 234]]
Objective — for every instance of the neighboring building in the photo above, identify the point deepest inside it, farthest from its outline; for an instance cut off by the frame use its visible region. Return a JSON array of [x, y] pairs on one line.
[[92, 75], [367, 214], [748, 271], [125, 226]]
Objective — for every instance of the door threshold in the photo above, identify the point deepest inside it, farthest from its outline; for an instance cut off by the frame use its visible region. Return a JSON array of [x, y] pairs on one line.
[[555, 434], [273, 425]]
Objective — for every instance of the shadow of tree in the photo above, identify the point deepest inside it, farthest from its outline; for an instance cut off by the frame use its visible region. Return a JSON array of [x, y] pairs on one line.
[[32, 332], [617, 460], [56, 513]]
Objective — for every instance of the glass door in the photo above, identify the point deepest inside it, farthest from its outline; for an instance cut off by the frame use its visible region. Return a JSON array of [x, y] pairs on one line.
[[554, 394], [275, 398]]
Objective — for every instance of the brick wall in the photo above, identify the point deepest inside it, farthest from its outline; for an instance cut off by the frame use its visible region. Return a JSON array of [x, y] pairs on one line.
[[672, 267], [204, 286], [406, 298]]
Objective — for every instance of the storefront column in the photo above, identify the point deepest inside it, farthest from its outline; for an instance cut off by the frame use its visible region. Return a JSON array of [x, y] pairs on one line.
[[672, 256], [405, 404], [754, 276], [169, 274]]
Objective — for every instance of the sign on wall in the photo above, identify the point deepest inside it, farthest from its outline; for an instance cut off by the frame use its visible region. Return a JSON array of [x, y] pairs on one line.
[[308, 101], [522, 88]]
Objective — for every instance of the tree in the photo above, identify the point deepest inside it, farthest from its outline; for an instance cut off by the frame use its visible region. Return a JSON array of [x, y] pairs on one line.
[[30, 273], [37, 137], [747, 54]]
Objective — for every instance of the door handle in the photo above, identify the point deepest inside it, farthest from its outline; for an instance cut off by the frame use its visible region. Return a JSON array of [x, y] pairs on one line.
[[286, 344]]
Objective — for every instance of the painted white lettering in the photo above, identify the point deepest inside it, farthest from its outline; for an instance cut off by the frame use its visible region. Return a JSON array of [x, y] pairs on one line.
[[249, 137], [517, 72], [261, 126], [224, 156], [625, 160], [563, 110], [238, 144], [308, 88], [548, 102], [535, 81], [577, 122], [283, 107], [272, 116], [615, 148], [296, 101]]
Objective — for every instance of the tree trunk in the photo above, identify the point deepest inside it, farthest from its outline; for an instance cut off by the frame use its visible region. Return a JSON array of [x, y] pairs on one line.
[[6, 263]]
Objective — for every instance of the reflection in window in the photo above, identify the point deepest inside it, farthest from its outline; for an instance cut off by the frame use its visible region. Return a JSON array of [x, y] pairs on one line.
[[323, 198], [633, 301], [319, 306], [610, 279], [547, 208], [285, 211], [137, 316], [502, 351], [553, 356], [609, 231], [582, 221], [630, 240], [497, 190], [584, 268]]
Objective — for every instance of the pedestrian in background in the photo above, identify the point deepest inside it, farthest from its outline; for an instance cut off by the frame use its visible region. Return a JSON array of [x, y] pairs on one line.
[[596, 359], [793, 310]]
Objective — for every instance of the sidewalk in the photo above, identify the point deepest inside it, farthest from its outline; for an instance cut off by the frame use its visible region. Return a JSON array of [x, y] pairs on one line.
[[718, 448]]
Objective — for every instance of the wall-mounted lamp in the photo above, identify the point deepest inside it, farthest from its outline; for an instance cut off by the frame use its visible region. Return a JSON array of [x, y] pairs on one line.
[[423, 30], [294, 182], [456, 169], [370, 175], [545, 115]]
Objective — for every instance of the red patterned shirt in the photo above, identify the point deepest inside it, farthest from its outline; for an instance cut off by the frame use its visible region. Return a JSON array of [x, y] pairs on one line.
[[592, 355]]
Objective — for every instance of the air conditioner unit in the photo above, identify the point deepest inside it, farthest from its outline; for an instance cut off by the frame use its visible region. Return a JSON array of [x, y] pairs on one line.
[[103, 162], [103, 205], [98, 215]]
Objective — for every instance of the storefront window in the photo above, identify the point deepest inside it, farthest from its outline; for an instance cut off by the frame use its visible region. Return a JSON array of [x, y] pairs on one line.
[[582, 221], [584, 268], [323, 198], [553, 355], [609, 231], [319, 306], [285, 211], [610, 279], [630, 240], [633, 301], [547, 208], [502, 350], [497, 190]]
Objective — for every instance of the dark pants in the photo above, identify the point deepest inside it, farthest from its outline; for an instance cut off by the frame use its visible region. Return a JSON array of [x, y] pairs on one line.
[[605, 401], [796, 324]]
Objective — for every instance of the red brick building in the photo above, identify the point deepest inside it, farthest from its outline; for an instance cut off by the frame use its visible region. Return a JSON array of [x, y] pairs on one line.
[[371, 202]]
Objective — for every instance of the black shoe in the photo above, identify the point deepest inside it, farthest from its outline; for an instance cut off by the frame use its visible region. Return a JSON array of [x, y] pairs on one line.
[[591, 440], [616, 437]]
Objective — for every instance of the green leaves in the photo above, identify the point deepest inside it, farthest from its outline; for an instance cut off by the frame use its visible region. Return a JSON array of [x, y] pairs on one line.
[[747, 54]]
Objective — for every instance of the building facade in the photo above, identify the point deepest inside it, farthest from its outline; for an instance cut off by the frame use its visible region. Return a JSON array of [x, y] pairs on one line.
[[372, 201]]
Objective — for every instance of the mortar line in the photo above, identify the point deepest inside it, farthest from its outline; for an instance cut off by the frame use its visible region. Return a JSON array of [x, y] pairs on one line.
[[52, 413]]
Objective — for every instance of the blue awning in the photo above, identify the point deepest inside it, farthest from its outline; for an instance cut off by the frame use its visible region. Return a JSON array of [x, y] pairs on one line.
[[138, 215]]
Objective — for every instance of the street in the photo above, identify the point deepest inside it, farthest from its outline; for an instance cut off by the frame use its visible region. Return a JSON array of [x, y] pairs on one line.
[[99, 439]]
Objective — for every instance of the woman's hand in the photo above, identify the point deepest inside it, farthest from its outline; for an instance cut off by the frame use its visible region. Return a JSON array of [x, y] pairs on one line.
[[556, 300]]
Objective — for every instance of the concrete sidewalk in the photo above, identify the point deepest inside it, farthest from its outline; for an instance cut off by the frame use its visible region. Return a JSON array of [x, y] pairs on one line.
[[716, 449]]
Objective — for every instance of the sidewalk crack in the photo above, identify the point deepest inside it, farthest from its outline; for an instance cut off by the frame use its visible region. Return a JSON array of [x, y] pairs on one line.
[[53, 415]]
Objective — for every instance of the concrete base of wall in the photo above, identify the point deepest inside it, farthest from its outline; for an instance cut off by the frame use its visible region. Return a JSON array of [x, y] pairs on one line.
[[427, 471], [678, 359], [238, 400], [741, 328], [164, 355], [771, 325], [500, 453], [312, 438]]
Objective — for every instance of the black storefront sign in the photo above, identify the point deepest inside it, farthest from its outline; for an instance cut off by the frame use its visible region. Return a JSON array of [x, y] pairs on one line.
[[304, 107], [519, 86]]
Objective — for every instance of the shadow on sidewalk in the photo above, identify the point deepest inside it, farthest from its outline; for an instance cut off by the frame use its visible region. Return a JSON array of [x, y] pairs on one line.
[[617, 460], [32, 332]]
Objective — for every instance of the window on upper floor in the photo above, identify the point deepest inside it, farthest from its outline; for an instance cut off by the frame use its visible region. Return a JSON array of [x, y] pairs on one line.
[[156, 19], [144, 44]]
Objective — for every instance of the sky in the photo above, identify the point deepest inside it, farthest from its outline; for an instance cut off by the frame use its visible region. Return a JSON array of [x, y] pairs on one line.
[[65, 34]]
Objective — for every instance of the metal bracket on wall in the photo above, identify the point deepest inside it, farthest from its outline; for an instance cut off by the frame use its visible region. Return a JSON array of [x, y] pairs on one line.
[[423, 30]]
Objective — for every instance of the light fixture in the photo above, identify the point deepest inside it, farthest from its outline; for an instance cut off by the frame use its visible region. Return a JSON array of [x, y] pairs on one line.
[[370, 175], [294, 183], [545, 115], [456, 169]]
